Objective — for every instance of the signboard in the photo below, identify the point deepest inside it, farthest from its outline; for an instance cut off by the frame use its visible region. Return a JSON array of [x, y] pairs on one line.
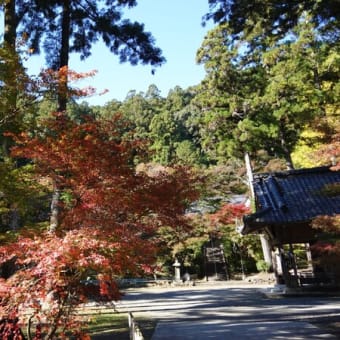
[[214, 254]]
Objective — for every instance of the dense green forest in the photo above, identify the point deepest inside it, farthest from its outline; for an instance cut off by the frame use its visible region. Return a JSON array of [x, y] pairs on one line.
[[151, 168]]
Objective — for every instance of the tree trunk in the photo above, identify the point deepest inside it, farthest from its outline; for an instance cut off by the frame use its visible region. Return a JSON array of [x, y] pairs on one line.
[[14, 222], [285, 148], [10, 24], [64, 56], [10, 77], [289, 161], [62, 97], [54, 219]]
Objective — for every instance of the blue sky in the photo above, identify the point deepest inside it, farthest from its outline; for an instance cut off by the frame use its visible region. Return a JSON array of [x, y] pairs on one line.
[[176, 26]]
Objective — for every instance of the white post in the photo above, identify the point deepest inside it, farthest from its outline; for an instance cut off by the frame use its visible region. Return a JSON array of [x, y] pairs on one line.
[[249, 174], [309, 257], [266, 250], [264, 241]]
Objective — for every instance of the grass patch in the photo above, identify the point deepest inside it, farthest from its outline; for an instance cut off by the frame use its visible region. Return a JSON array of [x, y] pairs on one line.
[[107, 323], [114, 326]]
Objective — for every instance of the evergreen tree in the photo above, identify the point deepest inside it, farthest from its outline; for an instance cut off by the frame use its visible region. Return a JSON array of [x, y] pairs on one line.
[[263, 98], [171, 138], [226, 93], [139, 109]]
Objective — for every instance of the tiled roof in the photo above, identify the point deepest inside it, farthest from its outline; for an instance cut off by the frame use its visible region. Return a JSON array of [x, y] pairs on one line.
[[294, 196]]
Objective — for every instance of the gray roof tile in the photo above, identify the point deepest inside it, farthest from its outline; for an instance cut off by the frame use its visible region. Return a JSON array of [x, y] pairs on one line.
[[293, 196]]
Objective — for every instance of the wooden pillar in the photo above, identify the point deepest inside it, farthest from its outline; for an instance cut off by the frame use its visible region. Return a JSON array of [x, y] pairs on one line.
[[296, 277], [285, 272]]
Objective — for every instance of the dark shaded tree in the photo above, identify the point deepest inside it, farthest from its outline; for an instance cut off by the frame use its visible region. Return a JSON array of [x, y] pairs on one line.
[[65, 26], [10, 72], [273, 19]]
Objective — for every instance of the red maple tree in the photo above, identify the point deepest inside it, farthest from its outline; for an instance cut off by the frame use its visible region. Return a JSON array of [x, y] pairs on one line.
[[108, 217], [327, 250], [228, 213]]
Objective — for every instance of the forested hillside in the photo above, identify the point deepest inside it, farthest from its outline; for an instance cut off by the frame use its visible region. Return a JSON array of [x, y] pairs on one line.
[[121, 190]]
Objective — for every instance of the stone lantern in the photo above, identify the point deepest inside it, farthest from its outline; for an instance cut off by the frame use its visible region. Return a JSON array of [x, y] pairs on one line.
[[177, 267]]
